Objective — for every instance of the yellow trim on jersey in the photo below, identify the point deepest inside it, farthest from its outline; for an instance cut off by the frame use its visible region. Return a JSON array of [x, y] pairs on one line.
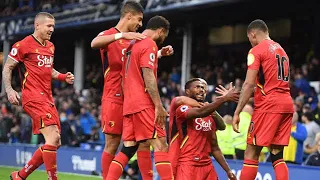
[[162, 163], [49, 151], [174, 138], [118, 164], [184, 141], [42, 123], [248, 165], [25, 79], [155, 134], [106, 71], [254, 141], [279, 163], [261, 87]]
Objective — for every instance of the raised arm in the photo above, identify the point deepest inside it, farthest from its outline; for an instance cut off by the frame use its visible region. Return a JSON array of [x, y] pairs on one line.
[[102, 40], [13, 96], [206, 110]]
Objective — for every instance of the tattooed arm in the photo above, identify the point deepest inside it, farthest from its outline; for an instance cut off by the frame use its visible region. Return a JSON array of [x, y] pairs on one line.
[[54, 74], [152, 88], [13, 96]]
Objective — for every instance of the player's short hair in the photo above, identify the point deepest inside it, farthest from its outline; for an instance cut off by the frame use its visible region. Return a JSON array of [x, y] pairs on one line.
[[131, 7], [44, 14], [259, 25], [158, 22], [190, 81]]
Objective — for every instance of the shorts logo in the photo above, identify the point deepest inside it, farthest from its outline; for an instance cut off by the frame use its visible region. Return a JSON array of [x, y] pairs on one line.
[[48, 115], [251, 128], [111, 123]]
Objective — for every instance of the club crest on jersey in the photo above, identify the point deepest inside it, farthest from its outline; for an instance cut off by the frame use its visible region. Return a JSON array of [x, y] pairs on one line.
[[184, 108], [45, 61], [203, 125], [14, 51]]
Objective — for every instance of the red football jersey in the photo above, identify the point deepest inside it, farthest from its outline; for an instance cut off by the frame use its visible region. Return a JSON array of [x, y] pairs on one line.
[[196, 137], [143, 54], [173, 129], [272, 93], [112, 57], [38, 60]]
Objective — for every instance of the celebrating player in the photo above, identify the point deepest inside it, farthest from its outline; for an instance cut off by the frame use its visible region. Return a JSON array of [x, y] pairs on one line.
[[173, 133], [36, 52], [273, 108], [197, 130], [144, 114], [112, 44]]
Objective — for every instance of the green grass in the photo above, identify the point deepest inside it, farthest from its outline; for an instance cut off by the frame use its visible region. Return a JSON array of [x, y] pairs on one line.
[[41, 175]]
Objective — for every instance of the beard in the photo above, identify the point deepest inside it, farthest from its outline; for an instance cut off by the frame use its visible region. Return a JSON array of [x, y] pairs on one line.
[[158, 41]]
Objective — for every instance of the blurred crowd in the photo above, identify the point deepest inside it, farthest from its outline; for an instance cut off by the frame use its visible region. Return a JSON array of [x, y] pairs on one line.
[[15, 7]]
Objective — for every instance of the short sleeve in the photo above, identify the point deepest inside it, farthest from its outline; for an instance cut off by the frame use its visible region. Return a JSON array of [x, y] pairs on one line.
[[254, 59], [149, 57], [181, 112], [105, 33], [17, 52]]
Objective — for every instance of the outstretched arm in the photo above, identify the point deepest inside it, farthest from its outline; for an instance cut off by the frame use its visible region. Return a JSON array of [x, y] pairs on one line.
[[102, 41]]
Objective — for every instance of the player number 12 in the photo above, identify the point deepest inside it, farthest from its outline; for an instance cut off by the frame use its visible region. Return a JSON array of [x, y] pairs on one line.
[[283, 68]]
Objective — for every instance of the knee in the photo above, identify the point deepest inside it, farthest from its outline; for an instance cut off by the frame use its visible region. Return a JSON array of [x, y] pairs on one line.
[[129, 151], [276, 155], [160, 145], [53, 139], [145, 146], [111, 146]]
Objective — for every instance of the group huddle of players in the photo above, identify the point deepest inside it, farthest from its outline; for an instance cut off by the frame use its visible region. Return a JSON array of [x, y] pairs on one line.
[[132, 108]]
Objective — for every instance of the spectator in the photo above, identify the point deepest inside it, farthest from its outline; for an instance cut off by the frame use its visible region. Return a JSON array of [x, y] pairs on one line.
[[312, 129], [87, 123], [314, 159], [316, 113], [225, 139], [68, 137], [293, 153]]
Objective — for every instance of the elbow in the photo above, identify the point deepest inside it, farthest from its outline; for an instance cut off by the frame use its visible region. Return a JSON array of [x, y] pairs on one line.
[[94, 45]]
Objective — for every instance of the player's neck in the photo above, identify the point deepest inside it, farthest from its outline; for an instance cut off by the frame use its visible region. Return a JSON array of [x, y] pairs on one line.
[[39, 39], [122, 26], [149, 33]]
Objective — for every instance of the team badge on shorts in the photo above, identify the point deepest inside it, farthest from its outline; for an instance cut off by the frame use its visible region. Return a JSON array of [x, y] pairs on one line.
[[111, 123], [48, 115]]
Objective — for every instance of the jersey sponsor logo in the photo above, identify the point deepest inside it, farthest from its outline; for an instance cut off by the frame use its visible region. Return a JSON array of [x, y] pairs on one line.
[[184, 108], [203, 125], [45, 61], [250, 59], [14, 51]]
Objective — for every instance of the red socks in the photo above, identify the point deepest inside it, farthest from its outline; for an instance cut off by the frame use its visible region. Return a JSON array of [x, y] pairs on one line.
[[106, 160], [249, 169], [145, 164], [116, 166], [49, 156], [163, 165], [281, 170], [33, 164]]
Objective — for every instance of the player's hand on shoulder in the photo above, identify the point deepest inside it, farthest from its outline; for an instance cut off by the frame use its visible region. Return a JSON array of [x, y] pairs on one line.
[[160, 116], [231, 175], [230, 94], [167, 51], [70, 78], [133, 35], [13, 97]]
